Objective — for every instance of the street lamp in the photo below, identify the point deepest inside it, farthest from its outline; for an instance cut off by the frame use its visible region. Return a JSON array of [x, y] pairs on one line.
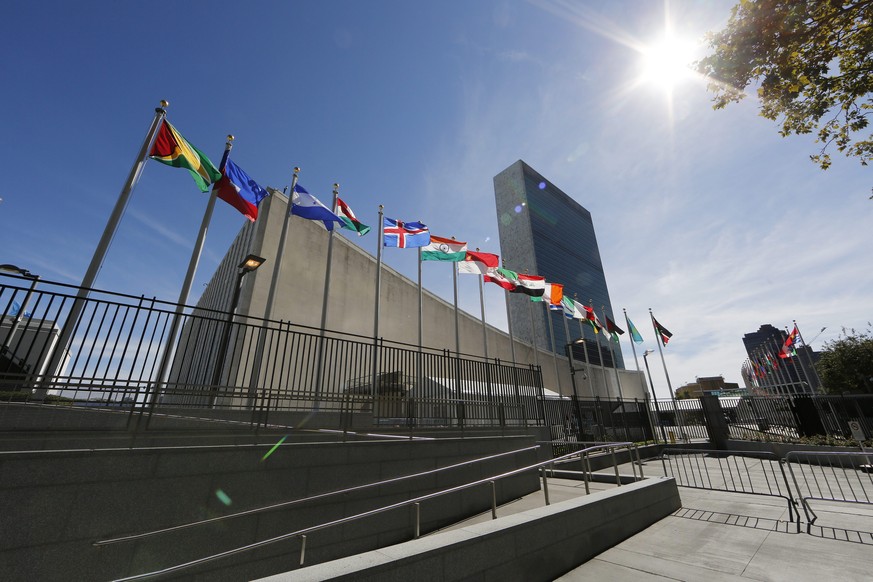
[[34, 279], [568, 348], [654, 397], [249, 264]]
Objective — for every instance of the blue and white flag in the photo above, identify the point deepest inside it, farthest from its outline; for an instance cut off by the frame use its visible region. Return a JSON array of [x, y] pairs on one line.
[[240, 191], [397, 233], [16, 309], [305, 205]]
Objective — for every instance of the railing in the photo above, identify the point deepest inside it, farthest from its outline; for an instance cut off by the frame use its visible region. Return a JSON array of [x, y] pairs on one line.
[[597, 419], [734, 471], [305, 500], [838, 477], [122, 357], [414, 503]]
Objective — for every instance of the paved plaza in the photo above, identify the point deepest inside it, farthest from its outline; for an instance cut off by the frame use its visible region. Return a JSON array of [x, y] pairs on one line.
[[725, 535]]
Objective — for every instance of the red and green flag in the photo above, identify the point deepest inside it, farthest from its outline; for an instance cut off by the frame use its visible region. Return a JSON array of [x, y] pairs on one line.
[[502, 277], [662, 331], [350, 221], [613, 329], [788, 347], [174, 150], [591, 318]]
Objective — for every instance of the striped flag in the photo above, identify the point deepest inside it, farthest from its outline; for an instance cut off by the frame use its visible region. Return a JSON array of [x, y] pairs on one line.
[[172, 149], [350, 221]]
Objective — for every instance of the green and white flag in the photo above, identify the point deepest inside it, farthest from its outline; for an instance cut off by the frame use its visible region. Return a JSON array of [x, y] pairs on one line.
[[444, 249]]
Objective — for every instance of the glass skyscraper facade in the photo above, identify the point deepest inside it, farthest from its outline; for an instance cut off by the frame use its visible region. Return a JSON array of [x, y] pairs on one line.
[[545, 232]]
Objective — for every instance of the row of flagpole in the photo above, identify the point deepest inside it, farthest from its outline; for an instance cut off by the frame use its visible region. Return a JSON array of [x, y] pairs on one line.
[[762, 367], [164, 144]]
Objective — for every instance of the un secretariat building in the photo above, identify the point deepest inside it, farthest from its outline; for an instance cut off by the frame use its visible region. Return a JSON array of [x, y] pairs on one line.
[[545, 232]]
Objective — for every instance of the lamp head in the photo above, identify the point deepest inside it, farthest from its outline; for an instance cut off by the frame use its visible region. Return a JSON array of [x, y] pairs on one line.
[[18, 270], [251, 262], [647, 352]]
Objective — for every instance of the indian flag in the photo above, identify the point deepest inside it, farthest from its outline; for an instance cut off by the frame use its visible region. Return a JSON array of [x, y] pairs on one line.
[[174, 150], [444, 249]]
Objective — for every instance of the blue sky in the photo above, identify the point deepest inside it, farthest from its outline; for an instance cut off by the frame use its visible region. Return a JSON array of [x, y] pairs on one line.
[[708, 217]]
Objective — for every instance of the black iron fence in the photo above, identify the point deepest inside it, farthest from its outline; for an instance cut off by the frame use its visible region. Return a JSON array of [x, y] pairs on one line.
[[149, 358]]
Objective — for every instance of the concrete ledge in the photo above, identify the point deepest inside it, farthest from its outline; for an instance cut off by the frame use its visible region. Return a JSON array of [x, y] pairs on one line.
[[539, 544]]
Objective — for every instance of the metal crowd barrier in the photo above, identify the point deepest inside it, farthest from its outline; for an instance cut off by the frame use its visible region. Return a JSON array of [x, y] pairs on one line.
[[837, 477], [755, 473]]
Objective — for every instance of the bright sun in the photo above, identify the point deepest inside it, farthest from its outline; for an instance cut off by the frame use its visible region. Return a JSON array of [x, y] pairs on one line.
[[667, 62]]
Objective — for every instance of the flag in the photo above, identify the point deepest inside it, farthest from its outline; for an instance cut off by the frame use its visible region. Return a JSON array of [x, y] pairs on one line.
[[571, 309], [552, 292], [397, 233], [502, 277], [613, 329], [788, 347], [350, 221], [444, 249], [592, 319], [240, 191], [531, 285], [476, 263], [174, 150], [635, 335], [662, 331], [305, 205], [16, 309]]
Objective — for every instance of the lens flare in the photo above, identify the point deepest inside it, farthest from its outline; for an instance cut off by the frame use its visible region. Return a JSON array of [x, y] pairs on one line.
[[223, 497], [276, 446]]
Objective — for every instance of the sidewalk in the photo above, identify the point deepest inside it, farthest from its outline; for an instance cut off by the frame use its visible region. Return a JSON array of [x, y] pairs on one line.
[[719, 536]]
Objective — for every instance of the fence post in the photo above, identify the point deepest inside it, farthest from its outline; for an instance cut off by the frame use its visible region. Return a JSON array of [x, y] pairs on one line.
[[716, 425]]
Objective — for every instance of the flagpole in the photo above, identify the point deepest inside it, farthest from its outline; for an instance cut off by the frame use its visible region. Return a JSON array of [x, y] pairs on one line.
[[163, 369], [280, 250], [65, 336], [420, 318], [567, 335], [600, 351], [820, 387], [774, 359], [482, 309], [509, 320], [786, 373], [379, 243], [418, 363], [271, 294], [640, 372], [612, 354], [457, 329], [327, 268], [319, 382], [798, 370], [659, 340], [533, 334], [552, 336], [587, 363]]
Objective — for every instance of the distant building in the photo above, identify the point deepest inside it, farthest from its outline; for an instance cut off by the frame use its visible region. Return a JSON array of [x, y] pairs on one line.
[[545, 232], [709, 386], [767, 371]]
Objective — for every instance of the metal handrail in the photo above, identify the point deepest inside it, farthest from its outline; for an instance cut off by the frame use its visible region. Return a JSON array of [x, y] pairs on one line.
[[319, 496], [302, 533]]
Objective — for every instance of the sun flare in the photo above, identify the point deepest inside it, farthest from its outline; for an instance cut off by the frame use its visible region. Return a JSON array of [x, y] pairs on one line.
[[667, 62]]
